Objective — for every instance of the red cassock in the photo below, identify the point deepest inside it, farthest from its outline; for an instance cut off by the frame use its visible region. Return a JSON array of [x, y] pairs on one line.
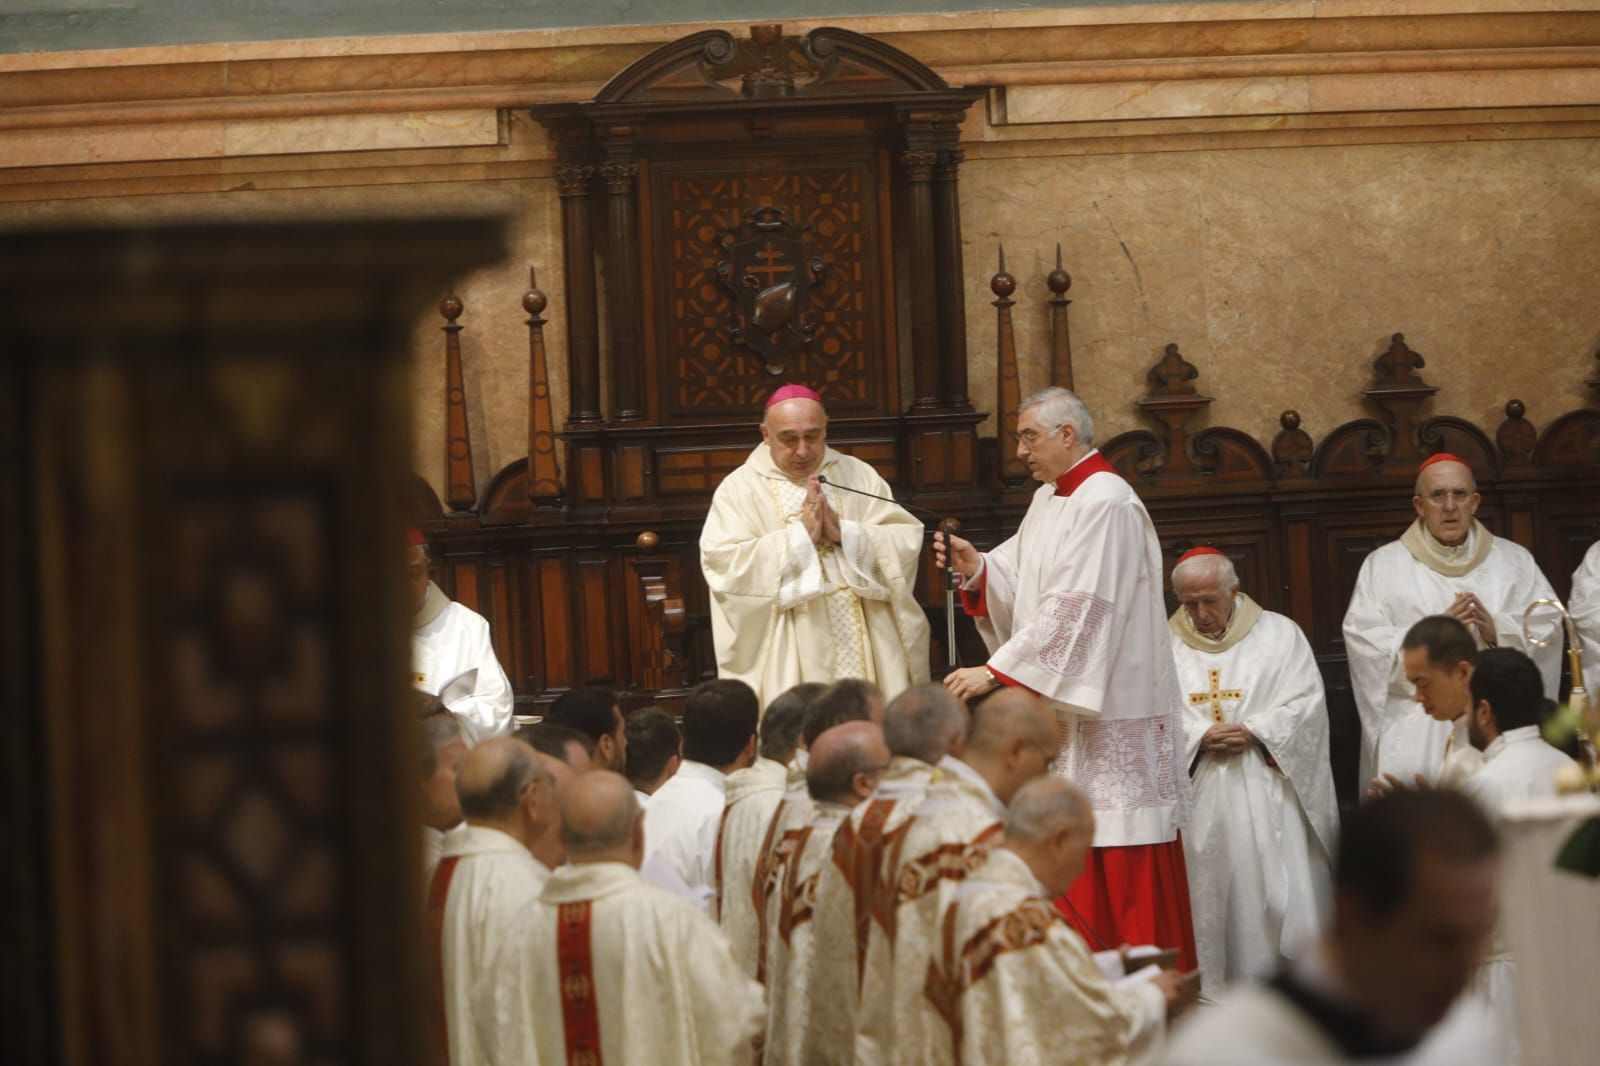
[[1137, 894]]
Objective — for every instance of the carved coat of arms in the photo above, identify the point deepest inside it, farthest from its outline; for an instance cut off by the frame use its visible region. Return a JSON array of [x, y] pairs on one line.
[[771, 273]]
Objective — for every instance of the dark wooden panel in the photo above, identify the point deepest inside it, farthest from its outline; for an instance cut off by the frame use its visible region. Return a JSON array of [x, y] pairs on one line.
[[560, 669]]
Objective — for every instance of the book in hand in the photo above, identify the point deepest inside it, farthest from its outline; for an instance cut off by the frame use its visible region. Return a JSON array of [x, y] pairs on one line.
[[1137, 958]]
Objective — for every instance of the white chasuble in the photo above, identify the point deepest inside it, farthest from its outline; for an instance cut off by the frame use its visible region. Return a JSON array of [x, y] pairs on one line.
[[1585, 609], [1071, 607], [791, 939], [855, 908], [1013, 984], [956, 825], [607, 968], [680, 833], [1264, 822], [784, 610], [753, 796], [1400, 584], [484, 881], [447, 640]]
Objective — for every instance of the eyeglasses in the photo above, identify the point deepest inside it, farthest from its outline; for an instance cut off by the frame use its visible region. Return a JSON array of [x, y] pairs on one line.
[[1031, 437], [1438, 496]]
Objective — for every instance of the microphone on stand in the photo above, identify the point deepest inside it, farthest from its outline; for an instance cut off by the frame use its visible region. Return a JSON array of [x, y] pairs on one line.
[[952, 579]]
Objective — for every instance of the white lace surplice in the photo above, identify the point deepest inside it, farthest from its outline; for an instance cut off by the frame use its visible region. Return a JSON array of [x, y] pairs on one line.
[[1075, 612]]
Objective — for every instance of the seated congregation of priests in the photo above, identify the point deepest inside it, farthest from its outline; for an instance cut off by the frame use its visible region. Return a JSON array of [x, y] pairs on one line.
[[1114, 841]]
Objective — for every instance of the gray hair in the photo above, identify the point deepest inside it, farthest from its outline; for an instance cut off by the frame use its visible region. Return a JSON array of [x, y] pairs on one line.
[[921, 722], [1200, 567], [1061, 407], [1043, 806], [439, 731]]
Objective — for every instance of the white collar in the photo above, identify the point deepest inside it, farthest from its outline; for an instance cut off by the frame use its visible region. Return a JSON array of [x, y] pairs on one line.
[[699, 771], [1020, 871], [1520, 735], [973, 780]]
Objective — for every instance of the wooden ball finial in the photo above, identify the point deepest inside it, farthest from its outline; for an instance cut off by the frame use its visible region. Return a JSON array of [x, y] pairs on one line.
[[1058, 279], [534, 300], [647, 541], [450, 307], [1002, 284], [1515, 409], [1289, 420]]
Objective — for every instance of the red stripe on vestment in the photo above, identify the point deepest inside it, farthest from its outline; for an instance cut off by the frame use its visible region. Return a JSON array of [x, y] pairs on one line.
[[1087, 467], [580, 1015], [438, 892], [972, 600]]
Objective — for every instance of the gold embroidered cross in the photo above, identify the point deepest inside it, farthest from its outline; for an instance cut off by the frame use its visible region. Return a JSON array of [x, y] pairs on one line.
[[1215, 696]]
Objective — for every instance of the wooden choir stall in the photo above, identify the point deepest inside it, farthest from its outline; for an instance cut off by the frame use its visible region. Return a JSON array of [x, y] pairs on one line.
[[779, 209]]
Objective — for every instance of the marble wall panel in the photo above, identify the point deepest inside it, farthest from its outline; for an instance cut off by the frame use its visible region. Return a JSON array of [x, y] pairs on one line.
[[1282, 272]]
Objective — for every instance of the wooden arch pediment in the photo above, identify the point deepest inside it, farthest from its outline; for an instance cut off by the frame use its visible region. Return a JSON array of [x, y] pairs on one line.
[[828, 61]]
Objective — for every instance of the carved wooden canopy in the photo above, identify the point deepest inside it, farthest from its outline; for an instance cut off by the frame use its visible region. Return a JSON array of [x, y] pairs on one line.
[[766, 210]]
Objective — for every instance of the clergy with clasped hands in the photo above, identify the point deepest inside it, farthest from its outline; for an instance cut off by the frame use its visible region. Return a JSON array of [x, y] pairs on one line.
[[1265, 820], [810, 581], [1446, 563], [1071, 607]]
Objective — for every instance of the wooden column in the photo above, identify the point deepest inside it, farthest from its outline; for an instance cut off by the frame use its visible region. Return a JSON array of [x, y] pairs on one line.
[[623, 308], [925, 369], [462, 487], [583, 328], [544, 469], [952, 313], [1059, 281]]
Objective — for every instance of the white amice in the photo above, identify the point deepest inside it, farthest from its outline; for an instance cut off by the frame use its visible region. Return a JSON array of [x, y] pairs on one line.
[[1265, 821]]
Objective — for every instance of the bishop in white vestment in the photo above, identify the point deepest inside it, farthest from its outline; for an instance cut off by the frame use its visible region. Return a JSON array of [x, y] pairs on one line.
[[1265, 818], [808, 581], [486, 879], [845, 767], [1584, 605], [1011, 981], [1071, 608], [1447, 563], [449, 639], [605, 967]]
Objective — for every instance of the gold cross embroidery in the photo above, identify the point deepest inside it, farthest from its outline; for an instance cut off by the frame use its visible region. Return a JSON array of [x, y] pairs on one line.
[[1215, 696]]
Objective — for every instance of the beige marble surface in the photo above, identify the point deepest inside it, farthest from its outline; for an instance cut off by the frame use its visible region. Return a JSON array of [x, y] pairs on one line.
[[1281, 273]]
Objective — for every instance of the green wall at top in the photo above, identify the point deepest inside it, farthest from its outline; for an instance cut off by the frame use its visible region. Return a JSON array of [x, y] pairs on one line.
[[64, 25]]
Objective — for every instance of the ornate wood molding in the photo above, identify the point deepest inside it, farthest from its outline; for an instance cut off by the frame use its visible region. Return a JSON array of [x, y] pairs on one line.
[[1058, 281], [544, 468], [1008, 389]]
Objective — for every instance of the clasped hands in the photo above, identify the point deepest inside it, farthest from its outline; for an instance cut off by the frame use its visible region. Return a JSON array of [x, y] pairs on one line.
[[817, 515], [1467, 609], [1227, 738]]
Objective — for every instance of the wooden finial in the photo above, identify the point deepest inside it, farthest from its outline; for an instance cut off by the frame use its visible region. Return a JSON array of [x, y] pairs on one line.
[[450, 307], [1003, 284], [1058, 279]]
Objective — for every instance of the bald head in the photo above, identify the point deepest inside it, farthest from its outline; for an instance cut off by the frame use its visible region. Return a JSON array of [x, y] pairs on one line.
[[846, 763], [600, 818], [491, 779], [1010, 715], [1050, 826], [924, 722], [1045, 806], [1013, 738]]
